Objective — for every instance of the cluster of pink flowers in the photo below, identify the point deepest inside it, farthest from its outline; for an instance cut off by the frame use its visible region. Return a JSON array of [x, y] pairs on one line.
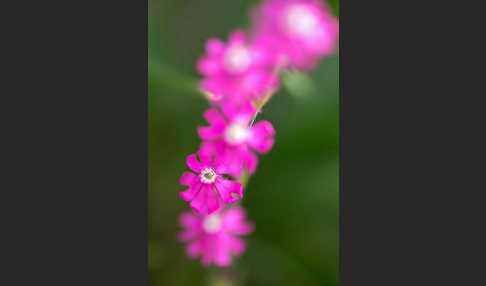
[[240, 76]]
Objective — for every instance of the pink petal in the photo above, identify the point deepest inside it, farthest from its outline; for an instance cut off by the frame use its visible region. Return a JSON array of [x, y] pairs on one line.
[[212, 200], [257, 83], [248, 111], [222, 169], [189, 234], [214, 46], [190, 193], [226, 188], [261, 136], [251, 162], [237, 37], [242, 228], [193, 163], [264, 128], [222, 257], [233, 159], [227, 161], [229, 109], [215, 149], [236, 245], [192, 227], [207, 250], [194, 249], [225, 156], [212, 148], [234, 216], [214, 117], [220, 87], [189, 220], [189, 179], [234, 221], [209, 133], [241, 114], [214, 88], [262, 145], [199, 201], [221, 252], [206, 158], [208, 66]]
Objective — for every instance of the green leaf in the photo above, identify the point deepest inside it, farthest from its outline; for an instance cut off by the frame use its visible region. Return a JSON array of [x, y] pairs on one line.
[[298, 84]]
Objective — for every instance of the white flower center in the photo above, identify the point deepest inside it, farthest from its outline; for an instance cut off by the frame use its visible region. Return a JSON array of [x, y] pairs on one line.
[[300, 21], [236, 133], [237, 59], [208, 175], [212, 224]]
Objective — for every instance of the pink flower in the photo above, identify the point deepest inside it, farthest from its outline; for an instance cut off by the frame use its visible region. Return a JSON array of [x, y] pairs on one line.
[[231, 139], [299, 32], [208, 188], [215, 237], [235, 71]]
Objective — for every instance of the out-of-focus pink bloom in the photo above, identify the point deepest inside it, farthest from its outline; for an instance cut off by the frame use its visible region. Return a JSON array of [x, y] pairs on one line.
[[231, 139], [298, 32], [208, 188], [235, 71], [214, 237]]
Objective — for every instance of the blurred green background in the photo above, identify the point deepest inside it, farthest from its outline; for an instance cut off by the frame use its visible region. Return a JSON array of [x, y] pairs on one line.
[[293, 196]]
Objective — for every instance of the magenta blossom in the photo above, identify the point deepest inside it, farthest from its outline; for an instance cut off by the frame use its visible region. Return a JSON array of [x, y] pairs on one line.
[[208, 188], [215, 237], [235, 71], [299, 32], [231, 139]]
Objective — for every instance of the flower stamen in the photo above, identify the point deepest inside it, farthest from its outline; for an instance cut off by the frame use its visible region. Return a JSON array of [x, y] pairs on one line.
[[236, 133], [208, 176], [237, 59], [300, 21], [212, 224]]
